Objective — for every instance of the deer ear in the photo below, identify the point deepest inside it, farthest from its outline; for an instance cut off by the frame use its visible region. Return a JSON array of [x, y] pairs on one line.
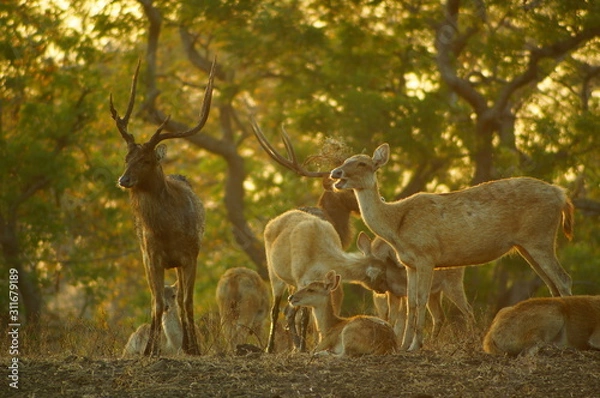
[[381, 155], [332, 280], [160, 151], [363, 242], [336, 283]]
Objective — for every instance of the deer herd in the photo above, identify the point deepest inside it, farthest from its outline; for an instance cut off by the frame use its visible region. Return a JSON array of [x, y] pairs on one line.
[[419, 251]]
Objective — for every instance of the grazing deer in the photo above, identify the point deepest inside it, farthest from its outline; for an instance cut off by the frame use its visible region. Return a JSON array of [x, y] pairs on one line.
[[469, 227], [169, 218], [529, 325], [243, 301], [171, 337], [358, 335], [301, 248], [392, 305]]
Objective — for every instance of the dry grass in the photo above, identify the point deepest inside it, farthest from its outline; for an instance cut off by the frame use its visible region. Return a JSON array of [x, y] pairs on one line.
[[81, 359]]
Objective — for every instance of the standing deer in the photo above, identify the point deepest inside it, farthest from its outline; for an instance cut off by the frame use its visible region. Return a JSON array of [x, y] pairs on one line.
[[358, 335], [243, 301], [469, 227], [392, 306], [169, 218], [529, 325], [301, 248], [171, 337]]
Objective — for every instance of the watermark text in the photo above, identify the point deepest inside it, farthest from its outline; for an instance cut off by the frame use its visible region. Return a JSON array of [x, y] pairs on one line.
[[13, 327]]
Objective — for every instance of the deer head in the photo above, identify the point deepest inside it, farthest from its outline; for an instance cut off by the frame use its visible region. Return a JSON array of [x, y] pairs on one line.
[[143, 160], [358, 171]]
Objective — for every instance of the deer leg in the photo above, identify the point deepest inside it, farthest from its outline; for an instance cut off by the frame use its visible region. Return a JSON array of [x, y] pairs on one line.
[[454, 291], [393, 303], [434, 305], [290, 316], [274, 316], [186, 277], [400, 327], [304, 317], [156, 277], [544, 262], [409, 330], [424, 278]]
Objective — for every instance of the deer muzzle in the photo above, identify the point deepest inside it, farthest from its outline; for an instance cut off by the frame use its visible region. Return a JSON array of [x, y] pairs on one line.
[[338, 175], [125, 181]]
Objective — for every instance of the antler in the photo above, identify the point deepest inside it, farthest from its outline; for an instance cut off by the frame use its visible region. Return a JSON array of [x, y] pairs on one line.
[[291, 162], [158, 137], [122, 122]]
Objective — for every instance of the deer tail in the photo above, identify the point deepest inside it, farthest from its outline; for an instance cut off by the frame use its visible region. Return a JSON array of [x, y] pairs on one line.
[[567, 214]]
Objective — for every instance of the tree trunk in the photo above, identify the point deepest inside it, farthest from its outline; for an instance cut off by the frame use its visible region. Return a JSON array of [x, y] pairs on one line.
[[29, 292]]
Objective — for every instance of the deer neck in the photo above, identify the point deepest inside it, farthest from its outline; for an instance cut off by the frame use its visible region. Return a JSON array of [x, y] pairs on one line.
[[325, 318], [339, 216], [152, 184], [373, 209], [150, 192], [172, 329], [353, 267]]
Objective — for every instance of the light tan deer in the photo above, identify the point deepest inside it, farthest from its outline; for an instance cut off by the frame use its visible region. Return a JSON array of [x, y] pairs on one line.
[[392, 306], [171, 337], [358, 335], [301, 248], [529, 325], [243, 301], [469, 227]]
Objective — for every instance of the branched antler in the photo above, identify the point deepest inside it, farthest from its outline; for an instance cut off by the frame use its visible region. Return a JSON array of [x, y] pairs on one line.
[[122, 122], [292, 161]]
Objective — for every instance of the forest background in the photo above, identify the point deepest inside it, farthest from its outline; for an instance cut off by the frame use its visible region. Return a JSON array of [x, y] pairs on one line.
[[464, 92]]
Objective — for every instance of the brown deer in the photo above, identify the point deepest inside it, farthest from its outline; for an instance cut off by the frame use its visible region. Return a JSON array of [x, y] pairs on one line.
[[301, 248], [526, 327], [243, 301], [169, 218], [358, 335], [171, 338], [392, 305], [469, 227]]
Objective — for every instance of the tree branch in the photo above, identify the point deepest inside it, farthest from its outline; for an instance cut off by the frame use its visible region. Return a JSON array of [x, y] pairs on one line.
[[532, 73], [446, 44]]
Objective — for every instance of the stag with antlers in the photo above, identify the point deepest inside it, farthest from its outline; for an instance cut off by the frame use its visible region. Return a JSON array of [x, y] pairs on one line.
[[169, 218]]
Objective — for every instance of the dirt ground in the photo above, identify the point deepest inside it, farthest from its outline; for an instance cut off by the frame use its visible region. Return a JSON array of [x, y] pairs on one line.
[[462, 370]]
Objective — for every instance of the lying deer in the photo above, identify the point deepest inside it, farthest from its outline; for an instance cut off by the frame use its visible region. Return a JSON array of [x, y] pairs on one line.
[[301, 248], [169, 218], [243, 301], [392, 305], [529, 325], [171, 337], [469, 227], [358, 335]]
